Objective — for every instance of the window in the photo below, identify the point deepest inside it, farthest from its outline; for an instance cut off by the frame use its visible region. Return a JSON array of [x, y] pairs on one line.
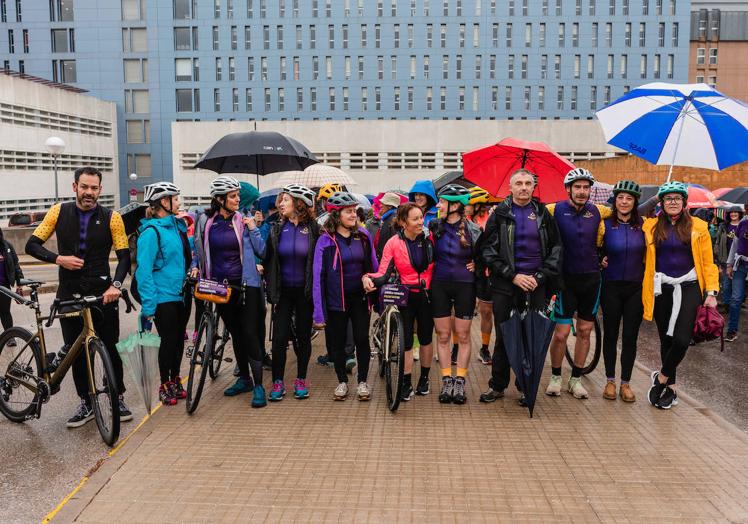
[[528, 35], [396, 37], [215, 38], [658, 7], [443, 98], [364, 99], [250, 10], [544, 67], [577, 66], [670, 65], [234, 38], [250, 68], [578, 8], [412, 67], [63, 40], [594, 34], [312, 98], [625, 8], [380, 68], [557, 67], [64, 71], [393, 8], [345, 99], [296, 68], [265, 36], [138, 131], [612, 7], [642, 34], [592, 8], [661, 34], [560, 98], [525, 7], [396, 99], [232, 68], [361, 68], [526, 97], [132, 9], [445, 67], [656, 66], [136, 70], [510, 67], [312, 36], [377, 36], [216, 9], [315, 68], [247, 37], [674, 39], [445, 8], [217, 100], [443, 35], [477, 67], [219, 69], [183, 68], [575, 35], [331, 36], [712, 56], [461, 35], [281, 99], [230, 15], [461, 99], [494, 98], [713, 82], [699, 79], [347, 67], [426, 62], [672, 8], [134, 40], [458, 67], [279, 37], [611, 65], [345, 36], [593, 98], [509, 35], [59, 11], [429, 98], [328, 67], [590, 66], [378, 98], [609, 34], [263, 68], [136, 101], [410, 36], [429, 35], [573, 101], [267, 99], [140, 164], [558, 7], [184, 9], [541, 34], [627, 34], [508, 98], [623, 65], [645, 7], [523, 67], [541, 98], [363, 36], [643, 66]]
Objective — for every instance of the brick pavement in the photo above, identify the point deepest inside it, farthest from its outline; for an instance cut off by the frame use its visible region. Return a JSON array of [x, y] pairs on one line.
[[323, 461]]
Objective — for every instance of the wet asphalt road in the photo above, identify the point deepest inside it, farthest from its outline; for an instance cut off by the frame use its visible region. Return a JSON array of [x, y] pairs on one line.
[[42, 460]]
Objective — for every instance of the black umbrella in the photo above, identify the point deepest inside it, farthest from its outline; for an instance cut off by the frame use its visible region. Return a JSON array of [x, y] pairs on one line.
[[648, 191], [452, 177], [259, 152], [132, 214], [739, 195], [526, 338]]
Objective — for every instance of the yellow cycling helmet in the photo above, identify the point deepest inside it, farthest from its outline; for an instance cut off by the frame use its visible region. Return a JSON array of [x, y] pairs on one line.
[[478, 195], [327, 190]]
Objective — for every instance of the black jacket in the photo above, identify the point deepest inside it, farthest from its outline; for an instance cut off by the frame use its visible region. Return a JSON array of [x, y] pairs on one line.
[[12, 268], [497, 248], [272, 261]]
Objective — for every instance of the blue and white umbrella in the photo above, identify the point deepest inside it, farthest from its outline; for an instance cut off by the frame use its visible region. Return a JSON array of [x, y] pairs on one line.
[[678, 125]]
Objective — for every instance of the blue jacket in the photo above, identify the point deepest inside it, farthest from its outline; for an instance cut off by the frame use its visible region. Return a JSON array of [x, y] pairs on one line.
[[251, 243], [162, 266], [327, 274], [427, 188]]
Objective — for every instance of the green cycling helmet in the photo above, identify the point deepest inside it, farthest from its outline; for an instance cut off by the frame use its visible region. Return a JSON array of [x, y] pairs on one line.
[[627, 186], [455, 193], [673, 187]]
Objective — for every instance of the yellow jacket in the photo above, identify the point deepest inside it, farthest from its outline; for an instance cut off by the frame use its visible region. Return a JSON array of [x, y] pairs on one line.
[[701, 247]]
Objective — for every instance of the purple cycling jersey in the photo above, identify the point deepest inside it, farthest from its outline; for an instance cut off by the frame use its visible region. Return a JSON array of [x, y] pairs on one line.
[[674, 258], [451, 257], [293, 250], [226, 262], [527, 258]]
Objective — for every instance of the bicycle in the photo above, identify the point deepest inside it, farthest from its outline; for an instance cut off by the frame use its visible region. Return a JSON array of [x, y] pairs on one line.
[[387, 339], [208, 348], [28, 377]]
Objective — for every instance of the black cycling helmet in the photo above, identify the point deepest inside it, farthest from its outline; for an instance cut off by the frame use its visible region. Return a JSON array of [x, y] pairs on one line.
[[340, 200], [627, 186]]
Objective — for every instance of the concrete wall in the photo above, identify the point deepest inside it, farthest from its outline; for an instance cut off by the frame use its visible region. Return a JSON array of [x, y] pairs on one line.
[[343, 139], [32, 112]]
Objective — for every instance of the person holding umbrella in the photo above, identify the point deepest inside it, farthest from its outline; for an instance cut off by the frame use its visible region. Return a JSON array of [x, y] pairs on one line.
[[580, 224], [226, 248], [521, 248], [163, 260], [723, 242], [343, 255], [679, 274], [288, 273], [452, 290], [737, 272], [623, 251]]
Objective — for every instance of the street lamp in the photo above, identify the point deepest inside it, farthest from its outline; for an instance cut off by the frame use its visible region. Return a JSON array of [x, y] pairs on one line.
[[55, 145], [133, 192]]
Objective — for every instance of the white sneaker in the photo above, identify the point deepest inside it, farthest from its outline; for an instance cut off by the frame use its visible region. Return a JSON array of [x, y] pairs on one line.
[[576, 388], [341, 391], [363, 391], [554, 386]]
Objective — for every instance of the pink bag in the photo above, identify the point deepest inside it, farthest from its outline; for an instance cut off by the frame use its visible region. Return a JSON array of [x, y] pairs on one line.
[[709, 325]]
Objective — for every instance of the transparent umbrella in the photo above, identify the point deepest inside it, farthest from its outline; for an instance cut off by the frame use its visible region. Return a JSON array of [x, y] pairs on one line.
[[139, 353]]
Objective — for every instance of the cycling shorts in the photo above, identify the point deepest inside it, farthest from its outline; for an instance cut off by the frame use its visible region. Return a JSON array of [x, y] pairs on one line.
[[417, 318], [483, 290], [448, 296], [581, 295]]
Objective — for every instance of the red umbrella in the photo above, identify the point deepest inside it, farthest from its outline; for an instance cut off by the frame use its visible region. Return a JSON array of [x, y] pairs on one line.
[[721, 191], [699, 197], [490, 167]]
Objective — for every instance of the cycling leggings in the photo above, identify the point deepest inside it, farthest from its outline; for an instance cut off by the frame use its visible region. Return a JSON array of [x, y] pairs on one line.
[[242, 316], [292, 303], [171, 319], [418, 310]]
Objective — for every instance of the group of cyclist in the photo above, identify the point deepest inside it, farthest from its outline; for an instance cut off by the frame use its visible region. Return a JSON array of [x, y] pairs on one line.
[[457, 250]]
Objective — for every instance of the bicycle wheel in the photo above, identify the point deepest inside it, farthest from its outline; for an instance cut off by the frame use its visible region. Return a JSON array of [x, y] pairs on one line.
[[375, 344], [18, 402], [593, 356], [395, 362], [221, 339], [103, 391], [200, 361]]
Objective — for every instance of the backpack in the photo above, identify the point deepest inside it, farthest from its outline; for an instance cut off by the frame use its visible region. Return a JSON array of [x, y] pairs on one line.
[[134, 260]]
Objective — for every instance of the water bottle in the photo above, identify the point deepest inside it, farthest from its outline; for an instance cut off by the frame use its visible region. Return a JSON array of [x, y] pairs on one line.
[[59, 358]]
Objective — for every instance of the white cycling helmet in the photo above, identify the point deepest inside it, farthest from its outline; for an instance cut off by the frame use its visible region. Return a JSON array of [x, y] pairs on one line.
[[579, 173], [155, 192], [223, 185], [303, 193]]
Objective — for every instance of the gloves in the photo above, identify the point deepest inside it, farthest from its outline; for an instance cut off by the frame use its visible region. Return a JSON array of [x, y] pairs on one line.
[[146, 323]]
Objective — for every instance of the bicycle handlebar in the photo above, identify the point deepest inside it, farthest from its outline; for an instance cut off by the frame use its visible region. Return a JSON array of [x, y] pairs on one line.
[[86, 302]]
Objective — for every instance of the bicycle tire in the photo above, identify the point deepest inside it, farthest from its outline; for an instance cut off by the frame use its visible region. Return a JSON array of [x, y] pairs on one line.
[[220, 346], [200, 356], [7, 386], [395, 366], [106, 410], [596, 350]]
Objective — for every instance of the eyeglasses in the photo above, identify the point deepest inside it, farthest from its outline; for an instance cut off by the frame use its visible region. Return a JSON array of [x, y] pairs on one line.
[[673, 200]]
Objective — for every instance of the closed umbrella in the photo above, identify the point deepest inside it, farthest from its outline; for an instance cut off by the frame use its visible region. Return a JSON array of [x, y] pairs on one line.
[[526, 337], [258, 152], [139, 353], [316, 175], [678, 125], [490, 167]]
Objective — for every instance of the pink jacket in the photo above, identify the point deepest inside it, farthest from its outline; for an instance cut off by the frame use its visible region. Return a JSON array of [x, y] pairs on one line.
[[397, 257]]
